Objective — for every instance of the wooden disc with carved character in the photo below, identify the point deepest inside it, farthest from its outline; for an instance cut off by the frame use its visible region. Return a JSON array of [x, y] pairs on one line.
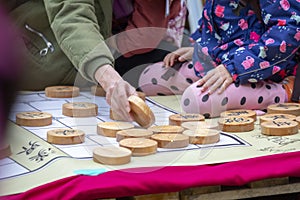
[[97, 90], [80, 109], [171, 141], [272, 117], [112, 155], [5, 151], [170, 129], [236, 124], [239, 113], [133, 133], [65, 136], [284, 108], [114, 116], [178, 119], [34, 118], [203, 136], [62, 91], [139, 146], [279, 127], [141, 112], [200, 125], [110, 129]]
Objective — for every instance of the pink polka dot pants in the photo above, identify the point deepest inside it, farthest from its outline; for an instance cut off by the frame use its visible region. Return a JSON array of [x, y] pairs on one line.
[[250, 96], [159, 80]]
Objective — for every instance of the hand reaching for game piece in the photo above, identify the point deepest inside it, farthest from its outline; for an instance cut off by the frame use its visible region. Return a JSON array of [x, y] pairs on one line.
[[217, 78], [182, 54], [117, 97], [117, 91]]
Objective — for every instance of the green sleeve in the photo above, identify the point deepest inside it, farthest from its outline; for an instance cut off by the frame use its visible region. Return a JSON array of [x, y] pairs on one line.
[[77, 31]]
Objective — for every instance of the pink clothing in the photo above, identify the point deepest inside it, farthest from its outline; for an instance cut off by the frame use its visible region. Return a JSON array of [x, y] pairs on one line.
[[158, 80], [248, 96], [152, 180], [147, 26]]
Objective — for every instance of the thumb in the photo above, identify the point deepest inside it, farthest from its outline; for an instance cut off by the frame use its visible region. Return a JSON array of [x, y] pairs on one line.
[[183, 57]]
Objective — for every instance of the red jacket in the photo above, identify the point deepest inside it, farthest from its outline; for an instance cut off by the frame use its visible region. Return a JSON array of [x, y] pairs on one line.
[[149, 16]]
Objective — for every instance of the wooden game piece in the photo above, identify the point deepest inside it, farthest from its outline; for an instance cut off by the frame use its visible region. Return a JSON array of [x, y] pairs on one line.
[[203, 136], [112, 155], [114, 116], [62, 91], [5, 151], [171, 141], [177, 119], [34, 118], [279, 127], [284, 108], [110, 129], [199, 125], [97, 90], [236, 124], [272, 117], [239, 113], [170, 129], [65, 136], [139, 146], [141, 112], [133, 133], [142, 95], [80, 109]]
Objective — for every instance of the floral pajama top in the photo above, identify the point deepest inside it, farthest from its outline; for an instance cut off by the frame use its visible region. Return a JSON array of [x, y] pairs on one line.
[[251, 50]]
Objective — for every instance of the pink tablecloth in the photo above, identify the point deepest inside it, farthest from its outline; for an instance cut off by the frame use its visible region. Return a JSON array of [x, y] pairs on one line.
[[139, 181]]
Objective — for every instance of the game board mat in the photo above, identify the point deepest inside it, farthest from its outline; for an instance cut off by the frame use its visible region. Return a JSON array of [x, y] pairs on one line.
[[259, 157]]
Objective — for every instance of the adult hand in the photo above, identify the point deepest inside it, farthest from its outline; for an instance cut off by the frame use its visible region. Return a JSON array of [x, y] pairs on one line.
[[181, 54], [117, 91], [117, 98], [217, 78]]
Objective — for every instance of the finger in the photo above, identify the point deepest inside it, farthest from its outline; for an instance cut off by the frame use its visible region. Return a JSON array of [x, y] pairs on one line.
[[119, 100], [167, 60], [173, 59], [206, 81], [184, 57], [108, 96], [223, 87], [217, 84], [122, 110], [209, 82], [126, 113], [200, 82], [203, 80]]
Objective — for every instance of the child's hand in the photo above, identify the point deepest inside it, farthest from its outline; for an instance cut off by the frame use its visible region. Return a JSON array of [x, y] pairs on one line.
[[180, 55], [217, 78]]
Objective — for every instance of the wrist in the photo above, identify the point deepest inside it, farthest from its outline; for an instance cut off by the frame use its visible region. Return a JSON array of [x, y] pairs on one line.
[[107, 76], [112, 43]]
